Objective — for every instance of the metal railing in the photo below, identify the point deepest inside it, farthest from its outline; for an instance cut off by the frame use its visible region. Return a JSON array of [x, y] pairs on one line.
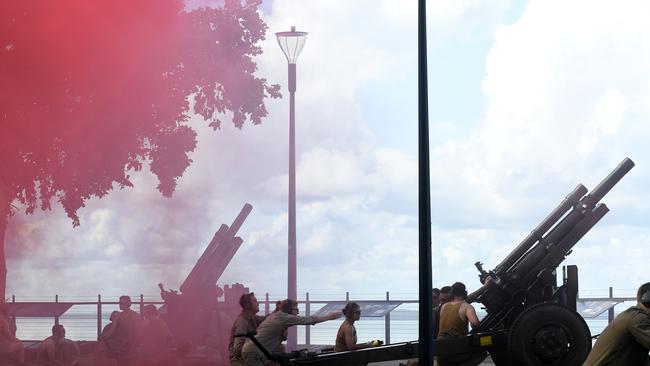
[[95, 313]]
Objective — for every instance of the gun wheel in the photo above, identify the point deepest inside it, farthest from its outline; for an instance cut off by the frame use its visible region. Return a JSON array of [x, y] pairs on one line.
[[549, 334]]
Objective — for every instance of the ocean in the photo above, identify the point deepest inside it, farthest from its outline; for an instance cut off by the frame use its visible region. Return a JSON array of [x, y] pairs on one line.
[[81, 324]]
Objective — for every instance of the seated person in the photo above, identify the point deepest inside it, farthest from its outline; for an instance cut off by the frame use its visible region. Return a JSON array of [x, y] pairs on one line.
[[346, 338], [57, 350]]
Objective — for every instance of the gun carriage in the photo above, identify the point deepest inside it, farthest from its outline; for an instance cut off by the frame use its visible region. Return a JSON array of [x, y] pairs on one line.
[[530, 320]]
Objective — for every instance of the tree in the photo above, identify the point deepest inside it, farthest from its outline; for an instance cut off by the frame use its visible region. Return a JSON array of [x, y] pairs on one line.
[[92, 91]]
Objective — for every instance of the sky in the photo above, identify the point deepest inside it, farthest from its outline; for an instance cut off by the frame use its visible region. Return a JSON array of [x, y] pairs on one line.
[[526, 100]]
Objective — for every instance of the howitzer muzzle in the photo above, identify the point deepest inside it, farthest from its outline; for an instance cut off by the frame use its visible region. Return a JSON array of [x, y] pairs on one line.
[[239, 220], [609, 182]]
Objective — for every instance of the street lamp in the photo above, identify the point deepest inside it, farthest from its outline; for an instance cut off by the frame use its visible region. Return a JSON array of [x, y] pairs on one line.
[[292, 43]]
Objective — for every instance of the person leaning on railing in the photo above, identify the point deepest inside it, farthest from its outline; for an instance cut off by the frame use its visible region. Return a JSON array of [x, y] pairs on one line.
[[270, 332]]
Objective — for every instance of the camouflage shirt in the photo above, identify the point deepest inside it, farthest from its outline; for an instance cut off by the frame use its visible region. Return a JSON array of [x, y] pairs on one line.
[[625, 341]]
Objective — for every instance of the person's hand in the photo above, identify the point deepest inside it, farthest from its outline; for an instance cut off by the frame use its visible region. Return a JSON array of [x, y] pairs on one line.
[[488, 281], [375, 343]]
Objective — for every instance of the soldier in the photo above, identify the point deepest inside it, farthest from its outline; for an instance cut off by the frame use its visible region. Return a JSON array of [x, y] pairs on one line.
[[125, 335], [271, 331], [626, 340], [454, 318], [57, 350], [156, 340], [104, 350], [248, 321], [439, 298]]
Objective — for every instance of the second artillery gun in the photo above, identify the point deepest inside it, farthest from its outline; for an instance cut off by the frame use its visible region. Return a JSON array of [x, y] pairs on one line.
[[194, 313], [530, 320]]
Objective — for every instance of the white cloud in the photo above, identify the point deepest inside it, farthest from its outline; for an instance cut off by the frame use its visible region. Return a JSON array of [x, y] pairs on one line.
[[610, 112], [114, 250]]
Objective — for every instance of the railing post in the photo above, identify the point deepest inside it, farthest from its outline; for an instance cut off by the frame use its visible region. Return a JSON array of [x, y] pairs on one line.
[[99, 316], [56, 318], [387, 322], [141, 306], [266, 306], [13, 318], [307, 313], [610, 312], [347, 296]]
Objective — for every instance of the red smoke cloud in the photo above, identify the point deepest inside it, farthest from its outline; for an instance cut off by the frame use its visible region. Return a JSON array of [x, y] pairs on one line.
[[91, 90]]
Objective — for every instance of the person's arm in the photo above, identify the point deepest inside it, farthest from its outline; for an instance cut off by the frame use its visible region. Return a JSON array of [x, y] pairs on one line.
[[330, 316], [289, 319], [109, 330], [470, 313], [349, 340]]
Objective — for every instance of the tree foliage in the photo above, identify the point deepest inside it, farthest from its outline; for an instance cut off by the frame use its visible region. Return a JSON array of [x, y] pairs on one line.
[[93, 90]]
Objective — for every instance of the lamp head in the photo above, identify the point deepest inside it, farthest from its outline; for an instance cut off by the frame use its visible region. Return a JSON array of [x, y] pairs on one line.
[[291, 43]]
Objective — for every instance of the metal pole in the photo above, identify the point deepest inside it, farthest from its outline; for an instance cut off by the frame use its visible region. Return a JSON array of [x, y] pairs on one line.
[[99, 316], [307, 313], [610, 312], [292, 290], [56, 318], [425, 349], [141, 306], [387, 322]]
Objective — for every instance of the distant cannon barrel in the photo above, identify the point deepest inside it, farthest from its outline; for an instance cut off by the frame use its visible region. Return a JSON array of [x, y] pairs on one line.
[[216, 256], [610, 181], [239, 220], [535, 235]]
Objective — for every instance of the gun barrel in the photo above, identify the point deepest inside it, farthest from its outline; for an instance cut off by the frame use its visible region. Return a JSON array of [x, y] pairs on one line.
[[239, 220], [532, 238], [610, 181]]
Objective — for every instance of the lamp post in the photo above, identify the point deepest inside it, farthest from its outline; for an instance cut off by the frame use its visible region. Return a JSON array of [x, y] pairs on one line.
[[291, 44]]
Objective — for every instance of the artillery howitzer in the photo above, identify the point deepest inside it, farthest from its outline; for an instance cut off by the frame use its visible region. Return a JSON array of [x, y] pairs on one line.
[[530, 320], [194, 315], [522, 296]]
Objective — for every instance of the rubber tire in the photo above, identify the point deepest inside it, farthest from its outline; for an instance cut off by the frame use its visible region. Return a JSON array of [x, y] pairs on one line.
[[500, 357], [539, 332]]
